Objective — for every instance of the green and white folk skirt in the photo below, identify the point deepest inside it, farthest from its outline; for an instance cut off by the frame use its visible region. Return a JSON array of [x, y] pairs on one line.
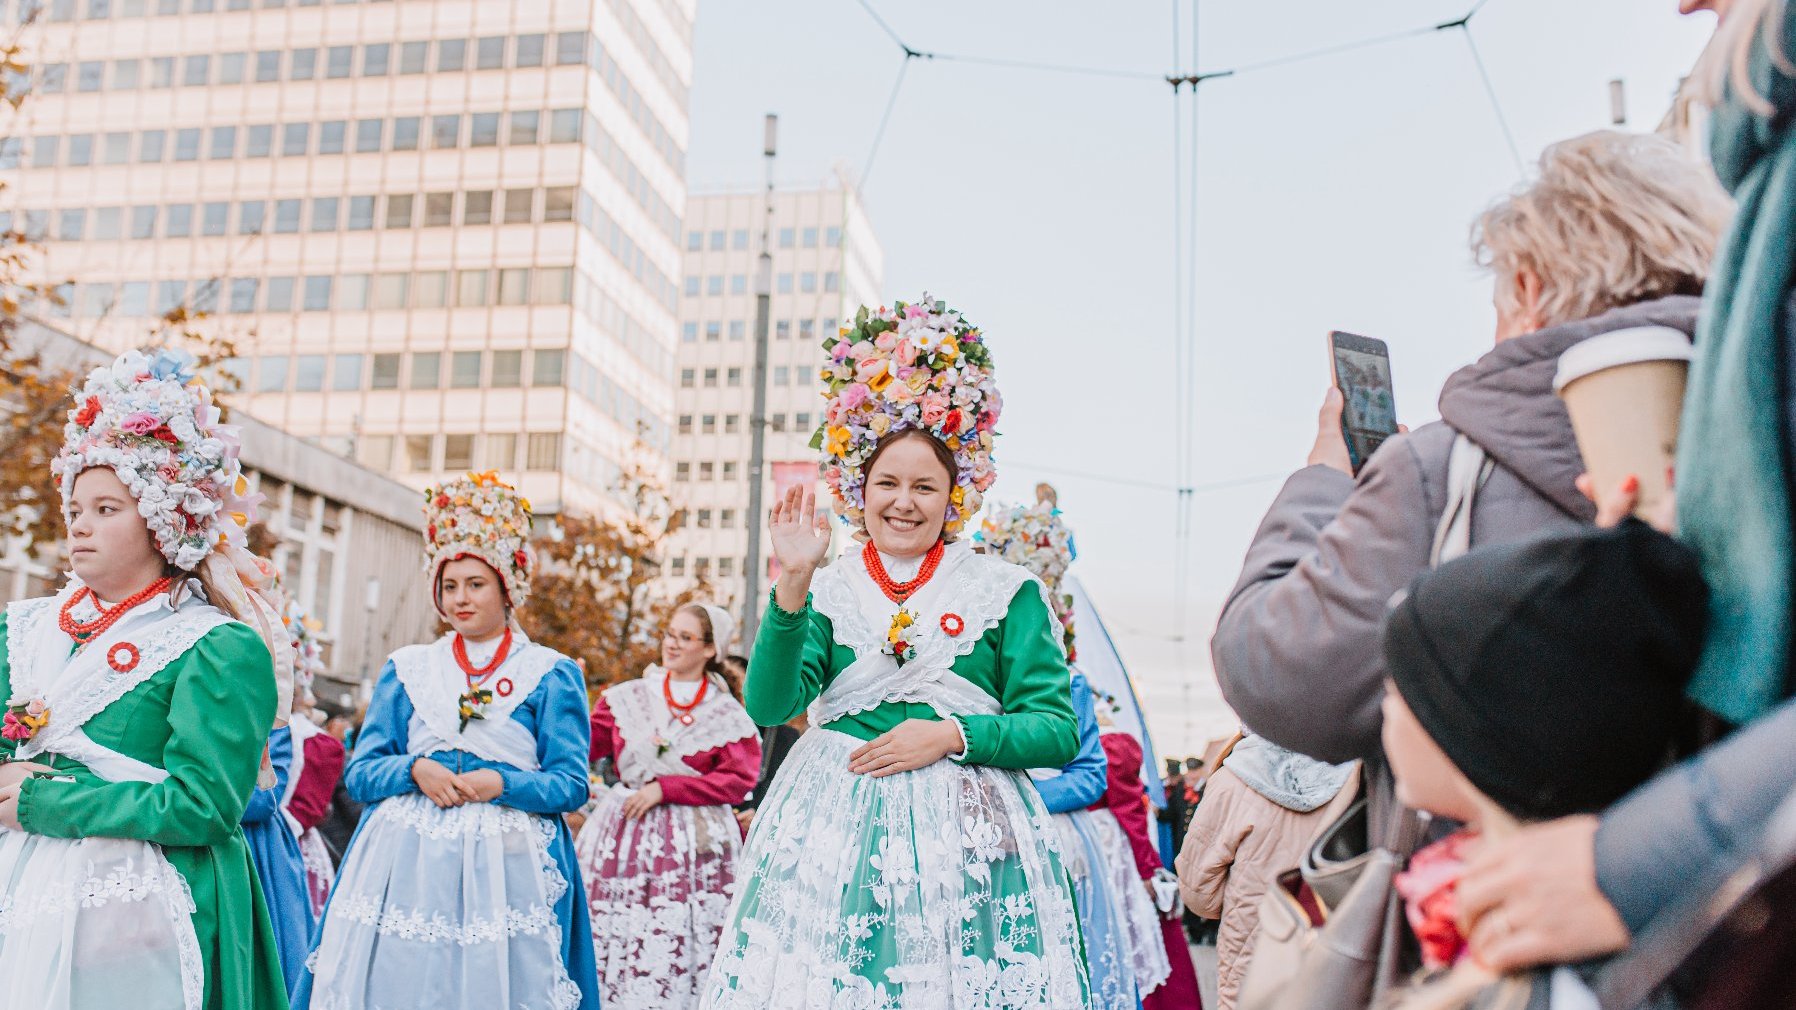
[[937, 889]]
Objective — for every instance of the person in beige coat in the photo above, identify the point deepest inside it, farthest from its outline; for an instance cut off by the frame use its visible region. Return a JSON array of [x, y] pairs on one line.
[[1258, 815]]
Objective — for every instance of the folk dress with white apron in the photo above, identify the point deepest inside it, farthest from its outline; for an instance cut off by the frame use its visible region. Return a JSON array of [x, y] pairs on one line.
[[659, 886], [320, 870], [476, 907], [98, 923], [924, 890]]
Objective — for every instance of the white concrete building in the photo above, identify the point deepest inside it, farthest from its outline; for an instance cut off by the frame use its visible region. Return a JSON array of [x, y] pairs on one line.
[[445, 233], [826, 262]]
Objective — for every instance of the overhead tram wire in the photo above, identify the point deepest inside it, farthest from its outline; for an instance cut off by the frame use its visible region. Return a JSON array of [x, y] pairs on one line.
[[1495, 104], [884, 121]]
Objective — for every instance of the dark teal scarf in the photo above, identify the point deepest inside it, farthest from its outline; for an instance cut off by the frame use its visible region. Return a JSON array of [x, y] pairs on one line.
[[1733, 456]]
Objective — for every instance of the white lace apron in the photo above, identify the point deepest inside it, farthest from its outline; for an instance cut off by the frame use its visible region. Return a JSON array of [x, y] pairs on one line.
[[1147, 944], [320, 871], [659, 886], [926, 890], [96, 923], [451, 909]]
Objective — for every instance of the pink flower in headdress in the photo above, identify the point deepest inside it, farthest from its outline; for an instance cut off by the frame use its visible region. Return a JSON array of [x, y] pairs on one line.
[[141, 423], [906, 354], [840, 351], [169, 472], [853, 396], [935, 408]]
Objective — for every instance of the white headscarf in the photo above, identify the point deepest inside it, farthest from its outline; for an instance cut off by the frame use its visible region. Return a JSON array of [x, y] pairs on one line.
[[723, 628]]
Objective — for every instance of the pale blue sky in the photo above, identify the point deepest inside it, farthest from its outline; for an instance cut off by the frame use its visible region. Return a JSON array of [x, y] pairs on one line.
[[1332, 194]]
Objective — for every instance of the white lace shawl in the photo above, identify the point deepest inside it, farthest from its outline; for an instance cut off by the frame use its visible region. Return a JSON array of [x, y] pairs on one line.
[[435, 683], [641, 712], [976, 588], [80, 686]]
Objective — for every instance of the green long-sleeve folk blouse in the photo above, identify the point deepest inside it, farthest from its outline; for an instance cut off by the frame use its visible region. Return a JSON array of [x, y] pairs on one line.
[[203, 718], [1018, 662]]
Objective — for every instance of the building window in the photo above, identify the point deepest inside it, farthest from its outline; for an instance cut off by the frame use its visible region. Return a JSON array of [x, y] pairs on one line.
[[439, 210], [807, 283], [500, 452], [732, 424], [738, 284], [477, 207], [361, 213], [519, 205], [352, 292], [554, 285], [570, 47], [318, 294], [458, 453], [685, 424], [452, 55], [375, 451], [689, 333], [195, 73], [726, 567], [405, 133], [530, 51], [564, 126], [785, 284], [727, 519], [703, 521], [376, 60], [258, 142], [430, 289], [483, 129], [399, 211], [801, 422], [525, 126], [708, 424], [445, 131], [268, 65], [737, 329], [733, 378], [713, 332], [420, 453], [215, 219], [224, 144], [280, 294], [295, 139], [187, 145], [414, 57], [243, 294], [806, 330], [776, 422], [682, 472], [331, 135], [489, 53], [464, 371], [339, 61], [714, 285], [324, 213], [787, 238], [686, 379], [384, 372], [308, 373], [514, 286], [677, 566], [710, 378], [543, 451], [726, 470], [346, 372], [271, 374], [470, 288], [547, 367], [558, 203], [303, 66], [368, 134], [833, 237], [286, 216], [692, 285], [782, 330], [508, 369], [390, 291], [427, 367], [810, 238], [707, 470]]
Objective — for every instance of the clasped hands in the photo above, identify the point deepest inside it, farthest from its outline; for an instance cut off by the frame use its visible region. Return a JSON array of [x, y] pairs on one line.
[[447, 789], [906, 747]]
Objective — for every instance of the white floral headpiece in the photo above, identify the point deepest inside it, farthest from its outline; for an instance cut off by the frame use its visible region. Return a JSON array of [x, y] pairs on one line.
[[1037, 538], [148, 419], [480, 516], [918, 366]]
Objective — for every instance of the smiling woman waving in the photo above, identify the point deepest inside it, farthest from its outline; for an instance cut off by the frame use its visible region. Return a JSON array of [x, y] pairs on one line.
[[901, 857]]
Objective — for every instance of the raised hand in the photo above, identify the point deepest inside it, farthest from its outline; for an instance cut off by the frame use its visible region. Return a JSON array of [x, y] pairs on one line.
[[800, 533]]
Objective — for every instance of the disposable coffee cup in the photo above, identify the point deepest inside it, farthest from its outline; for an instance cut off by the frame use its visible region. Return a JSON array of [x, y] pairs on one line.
[[1625, 393]]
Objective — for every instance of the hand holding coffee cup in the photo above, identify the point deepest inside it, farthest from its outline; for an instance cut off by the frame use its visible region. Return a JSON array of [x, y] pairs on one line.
[[1625, 394]]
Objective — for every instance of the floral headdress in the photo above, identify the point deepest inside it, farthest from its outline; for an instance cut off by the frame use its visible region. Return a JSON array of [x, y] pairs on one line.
[[148, 419], [918, 366], [308, 651], [480, 516], [1037, 538]]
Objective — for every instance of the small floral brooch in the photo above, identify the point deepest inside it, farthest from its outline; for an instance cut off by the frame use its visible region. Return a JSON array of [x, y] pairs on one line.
[[953, 625], [901, 638], [24, 719], [473, 705]]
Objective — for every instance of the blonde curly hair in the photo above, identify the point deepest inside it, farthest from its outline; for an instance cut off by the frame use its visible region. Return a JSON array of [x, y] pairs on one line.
[[1612, 219]]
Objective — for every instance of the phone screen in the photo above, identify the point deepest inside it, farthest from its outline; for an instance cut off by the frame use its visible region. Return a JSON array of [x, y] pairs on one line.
[[1363, 374]]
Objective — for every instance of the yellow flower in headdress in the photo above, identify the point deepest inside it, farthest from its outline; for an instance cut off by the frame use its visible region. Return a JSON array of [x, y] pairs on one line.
[[838, 441]]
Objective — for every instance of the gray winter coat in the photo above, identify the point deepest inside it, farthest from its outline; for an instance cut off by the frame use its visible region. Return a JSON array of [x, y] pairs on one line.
[[1298, 648]]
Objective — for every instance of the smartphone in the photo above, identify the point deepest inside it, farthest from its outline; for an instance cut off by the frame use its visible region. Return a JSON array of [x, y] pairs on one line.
[[1362, 372]]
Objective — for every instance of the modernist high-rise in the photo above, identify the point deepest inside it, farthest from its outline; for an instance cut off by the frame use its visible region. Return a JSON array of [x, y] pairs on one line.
[[826, 262], [446, 234]]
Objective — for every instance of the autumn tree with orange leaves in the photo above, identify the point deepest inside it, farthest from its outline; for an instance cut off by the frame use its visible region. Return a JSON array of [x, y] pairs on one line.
[[598, 595]]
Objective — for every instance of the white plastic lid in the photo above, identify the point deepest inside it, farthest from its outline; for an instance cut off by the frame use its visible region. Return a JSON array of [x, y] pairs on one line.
[[1621, 347]]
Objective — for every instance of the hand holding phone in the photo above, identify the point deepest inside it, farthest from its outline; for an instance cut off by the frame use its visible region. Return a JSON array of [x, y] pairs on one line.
[[1362, 372]]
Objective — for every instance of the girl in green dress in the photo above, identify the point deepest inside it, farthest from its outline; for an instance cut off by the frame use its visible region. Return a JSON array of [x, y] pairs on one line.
[[136, 715], [901, 858]]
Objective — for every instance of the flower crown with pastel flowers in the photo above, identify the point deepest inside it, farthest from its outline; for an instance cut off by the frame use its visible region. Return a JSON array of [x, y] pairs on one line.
[[913, 366], [148, 419], [480, 516], [308, 651], [1037, 538]]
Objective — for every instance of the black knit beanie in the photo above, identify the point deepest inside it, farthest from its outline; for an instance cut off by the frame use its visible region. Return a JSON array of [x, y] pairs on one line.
[[1552, 671]]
